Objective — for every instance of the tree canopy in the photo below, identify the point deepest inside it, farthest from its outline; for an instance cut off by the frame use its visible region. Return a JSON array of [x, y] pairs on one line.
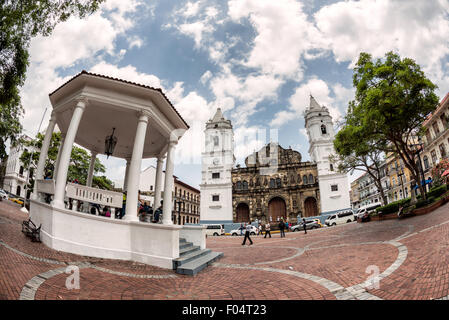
[[79, 162], [393, 98], [21, 20], [355, 151]]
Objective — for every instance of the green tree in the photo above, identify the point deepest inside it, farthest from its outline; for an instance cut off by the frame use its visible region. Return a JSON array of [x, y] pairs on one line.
[[355, 151], [21, 20], [393, 98], [79, 162]]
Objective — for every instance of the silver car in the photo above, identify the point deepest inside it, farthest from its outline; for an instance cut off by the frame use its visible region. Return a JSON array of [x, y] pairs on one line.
[[309, 225], [3, 195]]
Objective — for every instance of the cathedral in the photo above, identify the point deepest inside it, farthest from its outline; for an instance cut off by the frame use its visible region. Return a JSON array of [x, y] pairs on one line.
[[275, 183]]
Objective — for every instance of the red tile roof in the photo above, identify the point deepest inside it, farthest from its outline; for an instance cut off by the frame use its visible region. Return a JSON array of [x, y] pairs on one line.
[[124, 81]]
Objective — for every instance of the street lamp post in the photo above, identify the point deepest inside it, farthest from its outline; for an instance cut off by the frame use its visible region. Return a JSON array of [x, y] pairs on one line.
[[401, 175], [419, 148]]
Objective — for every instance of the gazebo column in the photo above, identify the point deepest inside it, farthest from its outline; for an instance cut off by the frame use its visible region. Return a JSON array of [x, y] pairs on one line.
[[58, 157], [44, 154], [64, 161], [90, 174], [133, 178], [125, 181], [158, 182], [168, 185]]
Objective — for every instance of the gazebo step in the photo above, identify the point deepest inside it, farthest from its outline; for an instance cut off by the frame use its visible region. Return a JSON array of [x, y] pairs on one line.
[[185, 245], [188, 249], [189, 257], [195, 266]]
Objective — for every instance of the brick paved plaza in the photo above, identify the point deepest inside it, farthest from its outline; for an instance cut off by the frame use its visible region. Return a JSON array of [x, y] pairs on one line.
[[335, 263]]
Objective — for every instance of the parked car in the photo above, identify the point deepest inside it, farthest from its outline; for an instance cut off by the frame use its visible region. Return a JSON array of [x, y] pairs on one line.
[[364, 212], [310, 224], [242, 230], [3, 195], [214, 230], [340, 218]]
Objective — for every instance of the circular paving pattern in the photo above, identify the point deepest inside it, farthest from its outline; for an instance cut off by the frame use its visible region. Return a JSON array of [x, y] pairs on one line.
[[408, 257]]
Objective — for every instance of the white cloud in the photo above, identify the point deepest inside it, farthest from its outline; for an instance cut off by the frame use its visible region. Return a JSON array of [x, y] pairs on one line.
[[284, 35], [415, 29], [196, 30], [135, 42], [335, 100], [191, 9], [205, 77], [128, 73]]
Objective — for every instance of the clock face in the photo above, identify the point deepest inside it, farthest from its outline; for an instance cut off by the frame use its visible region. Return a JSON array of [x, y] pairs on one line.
[[215, 161]]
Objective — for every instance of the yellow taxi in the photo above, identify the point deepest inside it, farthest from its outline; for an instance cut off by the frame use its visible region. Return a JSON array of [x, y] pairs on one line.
[[318, 221], [17, 200]]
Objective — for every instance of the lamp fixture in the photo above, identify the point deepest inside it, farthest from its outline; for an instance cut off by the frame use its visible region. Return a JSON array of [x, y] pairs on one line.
[[110, 143]]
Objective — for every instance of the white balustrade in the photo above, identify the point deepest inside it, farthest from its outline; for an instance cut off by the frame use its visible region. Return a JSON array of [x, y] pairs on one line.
[[46, 186], [93, 195]]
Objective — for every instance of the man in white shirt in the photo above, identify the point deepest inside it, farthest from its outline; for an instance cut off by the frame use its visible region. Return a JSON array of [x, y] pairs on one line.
[[247, 232]]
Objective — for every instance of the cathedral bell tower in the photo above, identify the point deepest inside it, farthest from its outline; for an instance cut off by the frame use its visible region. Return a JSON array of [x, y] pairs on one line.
[[334, 188], [217, 163]]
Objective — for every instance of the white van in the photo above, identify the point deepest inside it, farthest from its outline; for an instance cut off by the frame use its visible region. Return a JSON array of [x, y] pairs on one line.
[[340, 218], [214, 230], [363, 211]]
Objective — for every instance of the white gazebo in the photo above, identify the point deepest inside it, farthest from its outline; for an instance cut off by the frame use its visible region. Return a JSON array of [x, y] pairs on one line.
[[88, 109]]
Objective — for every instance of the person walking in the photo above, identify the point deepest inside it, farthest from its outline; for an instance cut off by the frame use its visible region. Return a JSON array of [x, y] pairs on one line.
[[247, 233], [267, 230], [260, 230], [305, 226], [281, 228]]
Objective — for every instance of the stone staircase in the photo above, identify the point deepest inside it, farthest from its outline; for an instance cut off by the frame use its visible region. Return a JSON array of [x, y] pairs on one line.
[[192, 259]]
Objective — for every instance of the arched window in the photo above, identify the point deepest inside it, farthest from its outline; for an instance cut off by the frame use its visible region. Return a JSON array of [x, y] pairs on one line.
[[272, 183], [323, 129], [310, 178], [278, 182], [215, 140], [426, 162], [21, 170], [304, 179], [245, 185], [331, 167], [239, 185]]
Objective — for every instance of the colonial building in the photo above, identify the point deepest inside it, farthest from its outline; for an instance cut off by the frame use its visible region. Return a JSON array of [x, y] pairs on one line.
[[334, 186], [217, 162], [186, 207], [275, 184], [436, 140], [16, 174], [186, 199]]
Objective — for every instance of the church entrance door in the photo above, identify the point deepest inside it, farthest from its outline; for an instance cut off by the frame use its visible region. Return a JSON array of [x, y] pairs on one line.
[[277, 209], [242, 214], [310, 207]]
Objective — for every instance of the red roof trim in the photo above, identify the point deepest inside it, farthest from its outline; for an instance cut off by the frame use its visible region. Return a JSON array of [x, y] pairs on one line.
[[124, 81]]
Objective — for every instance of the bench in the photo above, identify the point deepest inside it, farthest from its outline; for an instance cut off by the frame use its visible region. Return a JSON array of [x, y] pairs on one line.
[[30, 230]]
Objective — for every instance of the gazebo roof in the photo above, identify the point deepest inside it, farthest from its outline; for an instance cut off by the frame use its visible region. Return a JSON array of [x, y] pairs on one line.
[[115, 103]]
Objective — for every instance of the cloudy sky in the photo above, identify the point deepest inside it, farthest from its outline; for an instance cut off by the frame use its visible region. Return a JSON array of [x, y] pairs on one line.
[[256, 59]]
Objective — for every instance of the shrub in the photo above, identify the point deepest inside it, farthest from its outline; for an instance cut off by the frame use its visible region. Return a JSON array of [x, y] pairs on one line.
[[436, 192], [389, 208], [421, 203]]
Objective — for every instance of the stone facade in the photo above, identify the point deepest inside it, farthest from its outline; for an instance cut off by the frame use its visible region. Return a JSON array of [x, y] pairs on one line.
[[275, 183]]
